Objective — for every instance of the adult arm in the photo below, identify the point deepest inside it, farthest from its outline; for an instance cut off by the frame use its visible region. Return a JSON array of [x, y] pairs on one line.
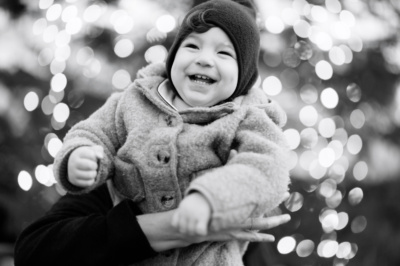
[[84, 230]]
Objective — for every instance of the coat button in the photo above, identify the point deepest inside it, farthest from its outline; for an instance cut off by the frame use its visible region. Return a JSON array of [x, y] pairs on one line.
[[163, 157], [167, 201]]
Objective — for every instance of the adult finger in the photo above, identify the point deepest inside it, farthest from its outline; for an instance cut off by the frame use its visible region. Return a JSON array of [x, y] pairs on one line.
[[252, 236], [265, 223], [239, 235]]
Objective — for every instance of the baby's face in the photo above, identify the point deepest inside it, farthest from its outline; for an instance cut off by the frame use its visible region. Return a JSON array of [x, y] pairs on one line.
[[205, 69]]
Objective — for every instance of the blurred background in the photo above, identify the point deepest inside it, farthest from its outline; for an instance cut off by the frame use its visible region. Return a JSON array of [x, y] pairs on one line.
[[333, 66]]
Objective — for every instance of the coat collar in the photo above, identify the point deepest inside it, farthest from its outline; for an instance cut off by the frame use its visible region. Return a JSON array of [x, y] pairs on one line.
[[149, 86]]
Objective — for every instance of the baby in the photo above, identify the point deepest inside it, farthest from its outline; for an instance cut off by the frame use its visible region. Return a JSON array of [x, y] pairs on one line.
[[167, 141]]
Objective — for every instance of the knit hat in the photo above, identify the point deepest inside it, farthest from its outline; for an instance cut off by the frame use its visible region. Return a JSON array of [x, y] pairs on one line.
[[238, 22]]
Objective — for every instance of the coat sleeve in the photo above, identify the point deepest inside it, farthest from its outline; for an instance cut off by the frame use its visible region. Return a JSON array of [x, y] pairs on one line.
[[84, 230], [255, 180], [104, 127]]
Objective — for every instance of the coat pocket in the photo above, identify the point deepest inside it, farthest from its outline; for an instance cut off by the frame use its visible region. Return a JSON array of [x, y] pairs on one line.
[[128, 181]]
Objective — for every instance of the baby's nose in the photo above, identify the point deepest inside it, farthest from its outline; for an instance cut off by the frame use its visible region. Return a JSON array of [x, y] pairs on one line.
[[205, 59]]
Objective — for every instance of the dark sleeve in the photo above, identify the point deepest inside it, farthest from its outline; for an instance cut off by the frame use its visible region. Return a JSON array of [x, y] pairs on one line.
[[84, 230]]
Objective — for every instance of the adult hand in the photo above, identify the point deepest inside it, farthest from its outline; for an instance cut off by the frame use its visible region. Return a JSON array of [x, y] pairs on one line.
[[163, 236]]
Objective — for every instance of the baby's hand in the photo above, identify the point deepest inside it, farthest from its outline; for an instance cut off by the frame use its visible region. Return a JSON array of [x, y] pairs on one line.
[[193, 215], [82, 165]]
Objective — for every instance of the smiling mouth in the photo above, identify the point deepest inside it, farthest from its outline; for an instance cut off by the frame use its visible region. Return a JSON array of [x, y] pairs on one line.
[[202, 79]]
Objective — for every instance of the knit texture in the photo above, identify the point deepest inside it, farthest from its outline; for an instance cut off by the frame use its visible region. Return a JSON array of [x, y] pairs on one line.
[[239, 24]]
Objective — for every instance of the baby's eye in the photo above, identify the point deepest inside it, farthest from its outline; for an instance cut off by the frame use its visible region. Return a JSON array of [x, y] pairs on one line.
[[226, 53], [191, 46]]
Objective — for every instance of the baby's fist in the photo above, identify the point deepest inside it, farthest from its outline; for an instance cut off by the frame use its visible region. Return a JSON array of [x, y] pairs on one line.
[[193, 215], [83, 164]]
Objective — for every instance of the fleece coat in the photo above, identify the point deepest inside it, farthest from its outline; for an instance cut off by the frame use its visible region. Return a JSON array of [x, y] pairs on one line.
[[155, 154]]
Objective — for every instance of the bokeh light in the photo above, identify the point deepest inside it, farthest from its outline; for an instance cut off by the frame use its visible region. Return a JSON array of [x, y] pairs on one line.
[[333, 6], [324, 70], [286, 245], [274, 24], [309, 138], [31, 101], [74, 26], [54, 12], [305, 248], [54, 146], [44, 175], [25, 180], [348, 18], [327, 127], [326, 157], [292, 137], [92, 13], [123, 48], [347, 52], [319, 13], [344, 250], [272, 85], [302, 28], [329, 98], [327, 248], [157, 53], [290, 16], [309, 94], [121, 79], [121, 21], [165, 23], [357, 118], [358, 224], [39, 26], [308, 115], [58, 82], [303, 50], [353, 92], [354, 144], [44, 4], [69, 13], [360, 170], [343, 220], [337, 56], [355, 196], [50, 33], [61, 112], [316, 170], [294, 202], [329, 220]]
